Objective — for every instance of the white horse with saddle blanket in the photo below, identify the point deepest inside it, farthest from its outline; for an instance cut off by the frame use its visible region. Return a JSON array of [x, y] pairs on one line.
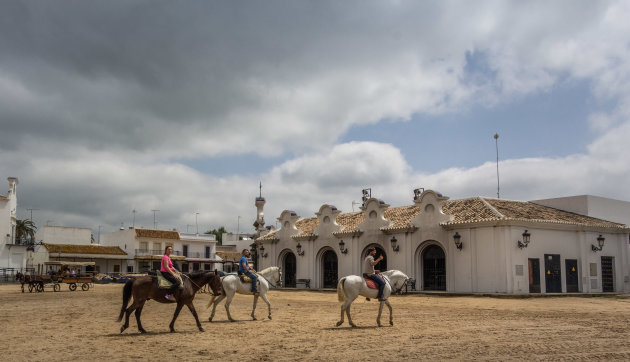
[[232, 284], [350, 287]]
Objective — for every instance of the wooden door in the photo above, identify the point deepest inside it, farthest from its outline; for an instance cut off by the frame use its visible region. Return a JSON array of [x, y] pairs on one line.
[[534, 275]]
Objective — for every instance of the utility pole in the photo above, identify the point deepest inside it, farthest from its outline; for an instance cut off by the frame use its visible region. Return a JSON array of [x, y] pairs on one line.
[[238, 227], [196, 223], [154, 222], [496, 141]]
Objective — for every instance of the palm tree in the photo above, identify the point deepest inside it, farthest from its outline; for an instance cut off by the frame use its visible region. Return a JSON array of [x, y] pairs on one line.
[[24, 229]]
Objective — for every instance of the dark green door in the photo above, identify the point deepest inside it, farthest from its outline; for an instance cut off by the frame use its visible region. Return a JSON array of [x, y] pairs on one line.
[[434, 268], [289, 270], [571, 270], [608, 276], [553, 273], [534, 275]]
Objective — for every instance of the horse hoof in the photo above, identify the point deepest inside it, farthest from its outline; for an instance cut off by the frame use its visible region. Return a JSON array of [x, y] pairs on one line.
[[391, 323], [353, 325], [380, 325], [232, 320], [122, 329], [209, 319], [339, 323], [269, 317], [254, 319], [172, 330], [142, 331], [201, 329]]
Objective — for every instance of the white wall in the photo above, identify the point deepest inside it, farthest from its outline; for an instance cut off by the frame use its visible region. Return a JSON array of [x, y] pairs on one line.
[[64, 235]]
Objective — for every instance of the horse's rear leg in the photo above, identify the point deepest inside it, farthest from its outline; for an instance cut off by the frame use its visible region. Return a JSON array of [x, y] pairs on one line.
[[128, 311], [348, 313], [138, 313], [343, 310], [191, 307], [227, 307], [264, 297], [214, 306], [254, 307], [177, 310]]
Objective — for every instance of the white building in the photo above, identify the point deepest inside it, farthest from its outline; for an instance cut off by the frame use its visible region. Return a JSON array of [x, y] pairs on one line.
[[145, 248], [470, 245], [11, 253]]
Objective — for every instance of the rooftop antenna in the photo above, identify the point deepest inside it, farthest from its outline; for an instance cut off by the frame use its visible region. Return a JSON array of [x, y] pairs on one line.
[[196, 223], [31, 210], [496, 141], [154, 222], [367, 194], [260, 187], [133, 225], [354, 203]]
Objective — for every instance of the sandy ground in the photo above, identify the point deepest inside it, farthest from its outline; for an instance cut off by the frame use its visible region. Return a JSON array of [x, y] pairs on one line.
[[82, 326]]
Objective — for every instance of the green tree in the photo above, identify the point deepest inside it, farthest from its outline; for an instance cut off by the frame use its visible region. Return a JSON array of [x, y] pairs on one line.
[[24, 229], [218, 233]]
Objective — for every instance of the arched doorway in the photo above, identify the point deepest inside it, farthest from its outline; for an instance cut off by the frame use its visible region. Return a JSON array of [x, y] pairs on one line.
[[434, 268], [382, 265], [289, 270], [330, 270]]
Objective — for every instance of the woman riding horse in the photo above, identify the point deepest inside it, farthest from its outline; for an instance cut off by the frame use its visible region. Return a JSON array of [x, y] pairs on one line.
[[146, 288]]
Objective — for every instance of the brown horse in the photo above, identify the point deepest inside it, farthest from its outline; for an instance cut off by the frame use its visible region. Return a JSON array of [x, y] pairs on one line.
[[145, 288]]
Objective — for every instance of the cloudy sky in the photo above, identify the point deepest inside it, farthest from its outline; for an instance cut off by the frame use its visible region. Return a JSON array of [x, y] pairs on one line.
[[112, 106]]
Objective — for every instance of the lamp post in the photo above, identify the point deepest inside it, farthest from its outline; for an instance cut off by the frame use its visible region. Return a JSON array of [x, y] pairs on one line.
[[496, 141]]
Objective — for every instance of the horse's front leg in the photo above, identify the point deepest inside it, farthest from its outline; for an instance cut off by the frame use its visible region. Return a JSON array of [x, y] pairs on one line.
[[380, 310], [264, 297], [191, 307], [214, 306], [177, 310], [254, 307], [391, 317]]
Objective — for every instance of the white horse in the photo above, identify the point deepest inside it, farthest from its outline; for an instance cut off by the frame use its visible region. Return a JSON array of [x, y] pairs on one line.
[[350, 287], [232, 284]]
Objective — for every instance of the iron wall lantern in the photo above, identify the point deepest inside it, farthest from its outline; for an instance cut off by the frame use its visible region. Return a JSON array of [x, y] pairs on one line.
[[600, 242], [262, 251], [526, 239], [395, 245], [342, 247], [298, 247], [458, 240]]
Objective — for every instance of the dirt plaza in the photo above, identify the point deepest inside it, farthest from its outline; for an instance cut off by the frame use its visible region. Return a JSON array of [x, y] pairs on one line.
[[82, 325]]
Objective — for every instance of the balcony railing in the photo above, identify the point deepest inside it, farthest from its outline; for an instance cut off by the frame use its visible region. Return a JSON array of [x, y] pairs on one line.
[[146, 252]]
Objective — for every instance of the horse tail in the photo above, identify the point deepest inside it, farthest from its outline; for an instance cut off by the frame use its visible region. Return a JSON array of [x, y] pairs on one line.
[[126, 296], [341, 295]]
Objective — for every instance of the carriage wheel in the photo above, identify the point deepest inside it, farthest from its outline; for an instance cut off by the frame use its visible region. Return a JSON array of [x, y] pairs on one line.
[[85, 287], [40, 288], [56, 287], [30, 288], [73, 286]]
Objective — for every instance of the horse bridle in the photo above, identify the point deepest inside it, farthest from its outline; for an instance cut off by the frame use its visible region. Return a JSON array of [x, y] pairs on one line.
[[268, 281], [399, 290]]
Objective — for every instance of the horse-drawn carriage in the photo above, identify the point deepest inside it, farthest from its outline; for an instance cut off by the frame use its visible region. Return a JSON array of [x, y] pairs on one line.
[[60, 272]]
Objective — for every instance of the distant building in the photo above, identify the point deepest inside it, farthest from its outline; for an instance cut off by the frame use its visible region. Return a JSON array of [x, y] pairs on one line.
[[479, 245], [145, 248], [12, 252]]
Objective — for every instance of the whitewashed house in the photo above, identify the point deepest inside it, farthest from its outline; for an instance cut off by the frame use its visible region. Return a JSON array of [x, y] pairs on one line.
[[479, 245], [72, 244], [145, 248], [12, 252]]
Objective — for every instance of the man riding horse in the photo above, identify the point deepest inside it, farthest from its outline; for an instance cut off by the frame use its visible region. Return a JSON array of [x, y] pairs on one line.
[[371, 273], [244, 268]]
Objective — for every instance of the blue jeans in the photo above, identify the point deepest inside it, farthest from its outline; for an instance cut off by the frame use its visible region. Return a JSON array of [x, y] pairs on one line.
[[381, 284], [254, 280]]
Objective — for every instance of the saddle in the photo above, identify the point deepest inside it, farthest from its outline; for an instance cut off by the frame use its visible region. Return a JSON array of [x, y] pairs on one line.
[[164, 283], [244, 278], [370, 283]]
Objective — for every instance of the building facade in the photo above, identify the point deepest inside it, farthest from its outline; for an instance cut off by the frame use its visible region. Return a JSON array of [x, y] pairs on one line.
[[145, 248], [478, 245], [12, 252]]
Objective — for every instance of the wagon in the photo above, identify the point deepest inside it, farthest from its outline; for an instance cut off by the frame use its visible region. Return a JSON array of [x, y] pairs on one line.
[[63, 275]]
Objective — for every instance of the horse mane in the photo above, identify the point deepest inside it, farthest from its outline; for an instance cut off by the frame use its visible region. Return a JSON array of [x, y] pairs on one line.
[[267, 270]]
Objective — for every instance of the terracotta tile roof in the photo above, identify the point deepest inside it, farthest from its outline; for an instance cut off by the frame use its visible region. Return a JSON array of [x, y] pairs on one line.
[[401, 216], [476, 209], [157, 234], [481, 209], [83, 249]]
